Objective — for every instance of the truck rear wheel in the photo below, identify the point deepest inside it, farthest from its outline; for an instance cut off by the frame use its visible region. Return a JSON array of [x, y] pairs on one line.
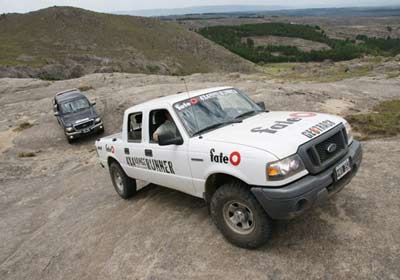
[[123, 185], [239, 216]]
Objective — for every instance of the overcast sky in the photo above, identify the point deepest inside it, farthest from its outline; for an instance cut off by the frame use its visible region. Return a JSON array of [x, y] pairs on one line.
[[7, 6]]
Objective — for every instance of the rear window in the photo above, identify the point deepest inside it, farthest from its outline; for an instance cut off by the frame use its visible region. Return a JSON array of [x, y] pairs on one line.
[[135, 127]]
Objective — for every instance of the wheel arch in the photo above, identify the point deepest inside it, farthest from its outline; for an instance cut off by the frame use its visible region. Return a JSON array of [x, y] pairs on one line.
[[111, 160], [216, 180]]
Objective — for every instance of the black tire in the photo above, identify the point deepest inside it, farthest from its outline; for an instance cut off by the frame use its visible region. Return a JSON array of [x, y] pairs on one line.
[[123, 185], [236, 195]]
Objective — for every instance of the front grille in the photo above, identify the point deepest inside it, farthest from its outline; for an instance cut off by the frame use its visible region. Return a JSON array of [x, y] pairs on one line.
[[315, 154], [84, 125], [322, 148]]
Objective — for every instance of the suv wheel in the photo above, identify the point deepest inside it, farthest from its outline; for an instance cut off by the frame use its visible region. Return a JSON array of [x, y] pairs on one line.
[[123, 185], [239, 216]]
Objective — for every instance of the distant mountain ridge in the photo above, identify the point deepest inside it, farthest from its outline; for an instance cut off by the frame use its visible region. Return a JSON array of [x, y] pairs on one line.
[[66, 42], [321, 10], [201, 10]]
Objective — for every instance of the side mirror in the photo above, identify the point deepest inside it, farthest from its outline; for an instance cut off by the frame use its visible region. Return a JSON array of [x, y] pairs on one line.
[[167, 139], [56, 114], [93, 103], [261, 104]]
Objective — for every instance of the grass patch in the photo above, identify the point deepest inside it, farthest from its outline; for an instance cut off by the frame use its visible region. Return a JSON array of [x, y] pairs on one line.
[[315, 72], [26, 154], [384, 121], [85, 88], [23, 126]]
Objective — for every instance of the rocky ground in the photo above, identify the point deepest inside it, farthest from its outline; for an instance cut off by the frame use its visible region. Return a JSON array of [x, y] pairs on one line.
[[61, 219]]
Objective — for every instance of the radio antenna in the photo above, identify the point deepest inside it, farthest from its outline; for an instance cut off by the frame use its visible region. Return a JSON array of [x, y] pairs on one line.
[[184, 81], [191, 105]]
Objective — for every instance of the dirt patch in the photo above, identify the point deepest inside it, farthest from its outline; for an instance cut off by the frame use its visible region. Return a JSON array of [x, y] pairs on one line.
[[60, 216], [301, 44], [336, 106], [6, 139]]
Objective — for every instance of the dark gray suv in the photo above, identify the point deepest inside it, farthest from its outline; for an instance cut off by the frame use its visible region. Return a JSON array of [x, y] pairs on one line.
[[76, 114]]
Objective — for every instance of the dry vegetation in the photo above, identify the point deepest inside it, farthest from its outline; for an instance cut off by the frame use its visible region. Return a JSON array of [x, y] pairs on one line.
[[64, 42], [382, 121]]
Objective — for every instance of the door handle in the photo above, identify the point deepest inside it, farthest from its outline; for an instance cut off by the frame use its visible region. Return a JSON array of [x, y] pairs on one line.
[[148, 153]]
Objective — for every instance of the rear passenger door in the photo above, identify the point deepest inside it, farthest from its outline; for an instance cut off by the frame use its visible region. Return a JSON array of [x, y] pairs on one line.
[[133, 149]]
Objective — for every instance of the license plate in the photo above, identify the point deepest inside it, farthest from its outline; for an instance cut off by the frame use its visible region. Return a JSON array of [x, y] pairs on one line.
[[342, 169], [87, 130]]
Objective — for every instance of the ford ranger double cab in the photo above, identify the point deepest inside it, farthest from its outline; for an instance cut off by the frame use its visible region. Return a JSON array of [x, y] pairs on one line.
[[249, 165], [76, 115]]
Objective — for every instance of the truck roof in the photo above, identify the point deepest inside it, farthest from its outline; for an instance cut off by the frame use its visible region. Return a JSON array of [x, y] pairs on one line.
[[171, 99], [68, 94]]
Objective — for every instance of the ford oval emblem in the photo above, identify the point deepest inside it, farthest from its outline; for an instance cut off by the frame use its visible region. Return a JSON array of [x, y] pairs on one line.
[[331, 148]]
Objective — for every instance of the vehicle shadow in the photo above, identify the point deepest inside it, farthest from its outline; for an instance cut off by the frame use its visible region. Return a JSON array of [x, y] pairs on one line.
[[310, 228]]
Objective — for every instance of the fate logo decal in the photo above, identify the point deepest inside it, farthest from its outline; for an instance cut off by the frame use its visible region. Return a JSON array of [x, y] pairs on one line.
[[110, 149], [294, 118], [234, 158], [318, 128], [194, 100]]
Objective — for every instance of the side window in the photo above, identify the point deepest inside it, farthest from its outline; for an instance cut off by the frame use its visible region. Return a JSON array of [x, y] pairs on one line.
[[162, 118], [135, 127]]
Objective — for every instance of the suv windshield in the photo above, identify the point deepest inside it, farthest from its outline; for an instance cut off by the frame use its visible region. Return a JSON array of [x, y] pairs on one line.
[[214, 110], [74, 106]]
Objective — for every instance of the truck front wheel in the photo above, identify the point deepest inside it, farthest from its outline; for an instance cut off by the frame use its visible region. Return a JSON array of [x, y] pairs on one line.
[[239, 216], [123, 185]]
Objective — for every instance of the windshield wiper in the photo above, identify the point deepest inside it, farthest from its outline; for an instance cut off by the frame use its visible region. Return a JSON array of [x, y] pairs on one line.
[[216, 126], [247, 114]]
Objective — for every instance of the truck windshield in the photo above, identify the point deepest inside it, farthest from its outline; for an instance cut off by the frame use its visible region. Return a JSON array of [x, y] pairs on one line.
[[74, 106], [214, 110]]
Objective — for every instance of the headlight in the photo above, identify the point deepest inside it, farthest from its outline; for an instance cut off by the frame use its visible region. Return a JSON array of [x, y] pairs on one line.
[[284, 168], [69, 129], [97, 120], [349, 133]]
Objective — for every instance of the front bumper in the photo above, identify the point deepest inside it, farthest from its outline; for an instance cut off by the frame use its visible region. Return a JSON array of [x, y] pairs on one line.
[[90, 130], [295, 198]]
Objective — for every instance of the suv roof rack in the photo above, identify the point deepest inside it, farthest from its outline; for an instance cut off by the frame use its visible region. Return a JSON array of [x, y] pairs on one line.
[[66, 91]]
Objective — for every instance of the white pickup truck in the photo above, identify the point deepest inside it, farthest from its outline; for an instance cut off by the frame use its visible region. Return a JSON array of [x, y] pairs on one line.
[[248, 164]]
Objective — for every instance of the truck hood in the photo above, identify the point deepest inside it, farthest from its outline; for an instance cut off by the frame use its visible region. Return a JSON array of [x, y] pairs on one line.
[[279, 133], [71, 119]]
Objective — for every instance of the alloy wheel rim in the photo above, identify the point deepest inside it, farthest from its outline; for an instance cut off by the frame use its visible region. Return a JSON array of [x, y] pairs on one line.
[[118, 181], [239, 217]]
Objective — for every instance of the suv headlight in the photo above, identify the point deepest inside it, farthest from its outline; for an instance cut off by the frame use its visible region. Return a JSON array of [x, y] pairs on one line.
[[349, 133], [284, 168], [97, 120], [69, 129]]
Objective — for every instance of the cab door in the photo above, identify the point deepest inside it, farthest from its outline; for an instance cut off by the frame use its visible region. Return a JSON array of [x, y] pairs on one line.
[[167, 165], [133, 152]]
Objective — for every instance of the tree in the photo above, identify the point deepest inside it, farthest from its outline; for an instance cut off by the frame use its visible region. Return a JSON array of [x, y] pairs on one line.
[[250, 43]]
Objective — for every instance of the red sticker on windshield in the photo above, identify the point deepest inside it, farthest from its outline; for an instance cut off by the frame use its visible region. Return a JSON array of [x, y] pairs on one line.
[[194, 101]]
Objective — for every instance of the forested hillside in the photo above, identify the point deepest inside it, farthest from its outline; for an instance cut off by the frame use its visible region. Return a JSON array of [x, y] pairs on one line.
[[238, 40]]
